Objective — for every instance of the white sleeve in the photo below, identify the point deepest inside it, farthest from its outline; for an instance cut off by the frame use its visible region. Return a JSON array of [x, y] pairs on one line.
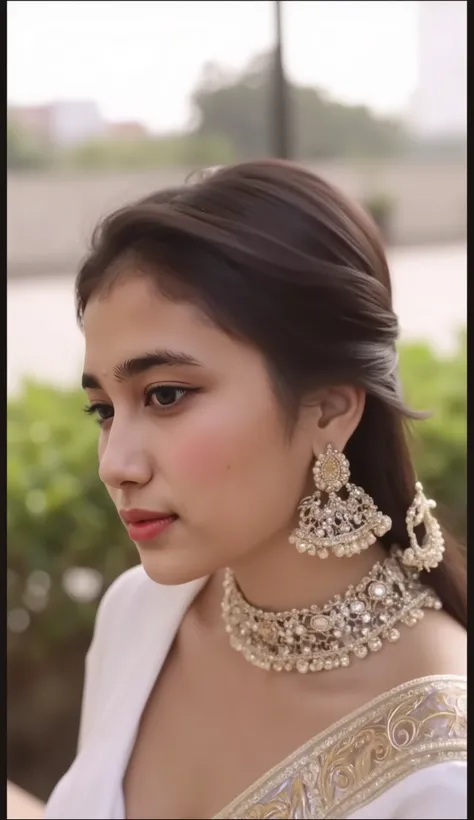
[[437, 792], [104, 629], [91, 677]]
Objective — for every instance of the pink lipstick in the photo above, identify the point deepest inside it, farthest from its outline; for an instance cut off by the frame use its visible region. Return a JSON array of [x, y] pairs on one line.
[[145, 525]]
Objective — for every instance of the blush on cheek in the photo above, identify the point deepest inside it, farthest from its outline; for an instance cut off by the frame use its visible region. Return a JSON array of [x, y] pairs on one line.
[[218, 445], [201, 457], [210, 448]]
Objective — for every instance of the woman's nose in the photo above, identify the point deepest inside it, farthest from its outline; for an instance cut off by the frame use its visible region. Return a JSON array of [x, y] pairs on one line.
[[124, 461]]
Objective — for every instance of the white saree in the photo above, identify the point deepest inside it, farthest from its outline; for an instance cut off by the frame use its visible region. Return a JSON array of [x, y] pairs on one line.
[[402, 756]]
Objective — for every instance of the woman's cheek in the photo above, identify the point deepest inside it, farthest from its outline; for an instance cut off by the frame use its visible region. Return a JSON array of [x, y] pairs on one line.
[[208, 449], [201, 457], [230, 436]]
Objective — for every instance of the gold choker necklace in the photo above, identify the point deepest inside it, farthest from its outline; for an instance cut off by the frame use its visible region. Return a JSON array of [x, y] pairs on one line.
[[323, 638]]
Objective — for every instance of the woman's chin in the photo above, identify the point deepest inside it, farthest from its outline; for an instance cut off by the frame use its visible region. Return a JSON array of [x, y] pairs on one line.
[[171, 567]]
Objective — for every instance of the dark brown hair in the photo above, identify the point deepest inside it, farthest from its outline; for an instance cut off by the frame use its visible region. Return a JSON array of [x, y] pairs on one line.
[[279, 258]]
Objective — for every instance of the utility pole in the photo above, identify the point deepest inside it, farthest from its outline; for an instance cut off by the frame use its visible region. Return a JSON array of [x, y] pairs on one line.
[[280, 102]]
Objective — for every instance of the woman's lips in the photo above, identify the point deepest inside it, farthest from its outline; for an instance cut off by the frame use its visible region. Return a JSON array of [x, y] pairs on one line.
[[150, 529], [146, 525]]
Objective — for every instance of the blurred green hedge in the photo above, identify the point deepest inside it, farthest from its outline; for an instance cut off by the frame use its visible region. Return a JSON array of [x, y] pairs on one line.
[[65, 545], [438, 384]]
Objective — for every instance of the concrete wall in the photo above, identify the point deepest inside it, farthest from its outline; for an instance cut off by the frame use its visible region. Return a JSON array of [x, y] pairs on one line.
[[50, 217]]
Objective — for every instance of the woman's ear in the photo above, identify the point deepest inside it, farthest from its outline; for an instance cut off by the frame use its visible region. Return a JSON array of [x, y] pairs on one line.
[[340, 411]]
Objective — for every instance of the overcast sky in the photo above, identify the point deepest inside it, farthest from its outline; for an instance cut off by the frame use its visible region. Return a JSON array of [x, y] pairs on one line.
[[141, 60]]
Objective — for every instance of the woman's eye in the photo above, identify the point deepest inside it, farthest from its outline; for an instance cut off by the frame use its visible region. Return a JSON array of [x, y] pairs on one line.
[[103, 412], [165, 396]]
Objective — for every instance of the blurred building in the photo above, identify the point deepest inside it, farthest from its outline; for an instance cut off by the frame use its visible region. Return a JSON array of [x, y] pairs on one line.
[[440, 101], [63, 123], [32, 118], [127, 130], [68, 123]]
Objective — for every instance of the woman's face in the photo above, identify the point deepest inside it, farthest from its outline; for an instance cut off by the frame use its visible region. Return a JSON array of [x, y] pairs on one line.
[[190, 433]]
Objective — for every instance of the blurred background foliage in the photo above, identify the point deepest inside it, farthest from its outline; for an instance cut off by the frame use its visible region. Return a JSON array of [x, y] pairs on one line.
[[65, 544], [231, 122], [438, 385]]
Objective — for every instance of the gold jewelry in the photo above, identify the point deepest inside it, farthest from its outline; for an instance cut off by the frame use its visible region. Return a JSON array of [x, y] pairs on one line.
[[323, 638], [427, 555], [344, 526]]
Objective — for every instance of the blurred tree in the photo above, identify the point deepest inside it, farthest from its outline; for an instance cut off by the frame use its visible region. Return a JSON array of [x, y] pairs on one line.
[[438, 384], [24, 152], [237, 108], [185, 150]]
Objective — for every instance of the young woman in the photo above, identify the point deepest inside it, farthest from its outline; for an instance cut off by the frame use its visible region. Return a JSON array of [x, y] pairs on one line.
[[269, 658]]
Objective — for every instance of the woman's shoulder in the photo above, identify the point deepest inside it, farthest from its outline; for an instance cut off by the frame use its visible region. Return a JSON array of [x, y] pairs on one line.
[[438, 645]]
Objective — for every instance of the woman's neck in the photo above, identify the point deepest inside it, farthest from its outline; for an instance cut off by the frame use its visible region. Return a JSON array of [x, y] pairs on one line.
[[280, 578], [277, 578]]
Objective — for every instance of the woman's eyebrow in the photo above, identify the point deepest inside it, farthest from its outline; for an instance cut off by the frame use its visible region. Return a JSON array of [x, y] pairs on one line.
[[140, 364]]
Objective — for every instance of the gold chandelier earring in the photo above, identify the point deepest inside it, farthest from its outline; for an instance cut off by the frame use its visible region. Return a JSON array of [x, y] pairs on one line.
[[343, 525], [427, 555]]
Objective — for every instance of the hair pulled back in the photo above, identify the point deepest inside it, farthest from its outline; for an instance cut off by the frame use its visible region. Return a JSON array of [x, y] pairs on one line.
[[282, 260]]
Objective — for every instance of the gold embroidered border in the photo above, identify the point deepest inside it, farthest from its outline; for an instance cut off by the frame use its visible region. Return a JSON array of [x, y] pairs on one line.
[[388, 779], [353, 762]]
